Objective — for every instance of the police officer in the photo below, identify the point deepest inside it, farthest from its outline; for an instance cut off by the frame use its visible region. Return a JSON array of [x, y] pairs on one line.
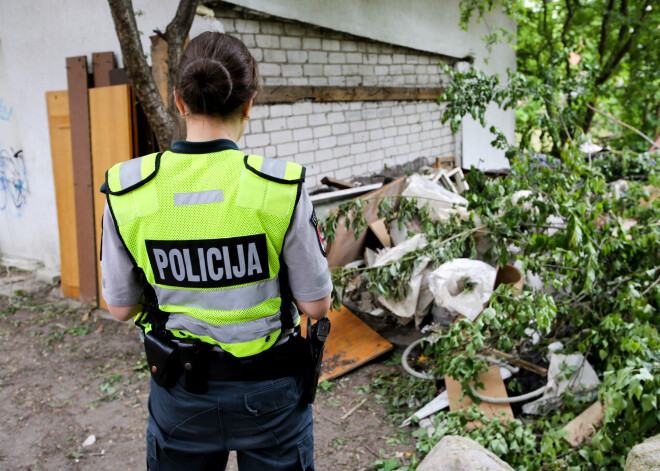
[[215, 253]]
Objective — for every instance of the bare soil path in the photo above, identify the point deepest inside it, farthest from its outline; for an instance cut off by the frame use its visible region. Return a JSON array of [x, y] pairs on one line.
[[66, 374]]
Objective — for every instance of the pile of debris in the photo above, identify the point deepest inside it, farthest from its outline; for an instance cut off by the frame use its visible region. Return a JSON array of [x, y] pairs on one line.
[[441, 295]]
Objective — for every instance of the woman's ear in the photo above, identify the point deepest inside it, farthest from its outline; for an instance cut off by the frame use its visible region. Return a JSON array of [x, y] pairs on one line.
[[247, 108], [181, 106]]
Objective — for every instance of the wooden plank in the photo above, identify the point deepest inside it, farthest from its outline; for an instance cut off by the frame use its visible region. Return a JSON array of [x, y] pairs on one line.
[[146, 139], [493, 387], [351, 343], [346, 247], [380, 230], [78, 84], [445, 162], [584, 425], [159, 66], [57, 104], [291, 94], [110, 110], [341, 184], [102, 64]]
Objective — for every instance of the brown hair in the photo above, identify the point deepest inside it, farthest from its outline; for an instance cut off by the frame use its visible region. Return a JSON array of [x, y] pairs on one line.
[[217, 74]]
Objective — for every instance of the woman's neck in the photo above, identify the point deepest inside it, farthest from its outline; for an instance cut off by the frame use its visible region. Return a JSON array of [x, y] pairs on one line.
[[205, 128]]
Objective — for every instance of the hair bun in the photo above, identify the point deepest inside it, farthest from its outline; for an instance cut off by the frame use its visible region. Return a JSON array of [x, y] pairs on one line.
[[209, 80], [217, 74]]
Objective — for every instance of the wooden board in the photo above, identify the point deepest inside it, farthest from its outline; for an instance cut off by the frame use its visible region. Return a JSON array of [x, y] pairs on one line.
[[584, 425], [159, 66], [78, 85], [351, 343], [346, 247], [102, 64], [493, 387], [57, 104], [111, 123], [291, 94]]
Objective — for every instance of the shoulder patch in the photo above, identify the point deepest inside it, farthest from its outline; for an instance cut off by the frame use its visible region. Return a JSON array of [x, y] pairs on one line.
[[315, 222]]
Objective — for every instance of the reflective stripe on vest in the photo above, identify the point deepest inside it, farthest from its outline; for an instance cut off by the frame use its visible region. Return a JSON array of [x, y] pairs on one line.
[[226, 333], [210, 247], [228, 299]]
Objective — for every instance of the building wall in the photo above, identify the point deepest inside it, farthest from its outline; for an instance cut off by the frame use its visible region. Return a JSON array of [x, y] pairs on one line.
[[424, 25], [339, 139]]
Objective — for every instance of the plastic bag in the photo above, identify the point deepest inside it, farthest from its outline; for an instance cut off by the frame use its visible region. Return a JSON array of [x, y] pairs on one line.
[[463, 286]]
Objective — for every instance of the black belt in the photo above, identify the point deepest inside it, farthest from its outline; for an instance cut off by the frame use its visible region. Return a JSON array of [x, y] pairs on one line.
[[288, 359]]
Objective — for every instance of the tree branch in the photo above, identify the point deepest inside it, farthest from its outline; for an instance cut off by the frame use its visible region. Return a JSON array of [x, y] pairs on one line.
[[135, 61], [618, 121], [175, 34]]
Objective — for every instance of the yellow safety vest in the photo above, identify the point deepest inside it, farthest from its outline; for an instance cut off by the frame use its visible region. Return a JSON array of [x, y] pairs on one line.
[[207, 231]]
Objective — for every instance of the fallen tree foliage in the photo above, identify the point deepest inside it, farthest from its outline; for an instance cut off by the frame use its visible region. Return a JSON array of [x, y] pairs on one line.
[[600, 296]]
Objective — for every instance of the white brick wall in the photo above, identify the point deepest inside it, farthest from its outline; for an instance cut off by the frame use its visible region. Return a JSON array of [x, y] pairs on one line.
[[341, 139]]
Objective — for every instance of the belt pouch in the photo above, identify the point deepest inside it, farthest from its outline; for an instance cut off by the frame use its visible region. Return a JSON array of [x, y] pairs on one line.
[[162, 360], [194, 364]]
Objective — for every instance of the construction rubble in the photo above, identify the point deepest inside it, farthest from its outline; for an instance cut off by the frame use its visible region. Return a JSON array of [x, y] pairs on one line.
[[458, 289]]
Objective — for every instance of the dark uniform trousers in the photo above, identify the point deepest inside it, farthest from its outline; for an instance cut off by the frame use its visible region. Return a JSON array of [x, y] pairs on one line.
[[264, 421]]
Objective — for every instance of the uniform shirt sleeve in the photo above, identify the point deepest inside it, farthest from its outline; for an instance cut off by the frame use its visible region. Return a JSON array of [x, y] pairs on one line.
[[309, 276], [120, 284]]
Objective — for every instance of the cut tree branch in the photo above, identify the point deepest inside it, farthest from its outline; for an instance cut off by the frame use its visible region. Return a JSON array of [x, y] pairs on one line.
[[160, 119]]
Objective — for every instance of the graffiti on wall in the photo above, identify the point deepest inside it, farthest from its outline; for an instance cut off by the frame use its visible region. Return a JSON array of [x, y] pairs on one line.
[[14, 186], [5, 111]]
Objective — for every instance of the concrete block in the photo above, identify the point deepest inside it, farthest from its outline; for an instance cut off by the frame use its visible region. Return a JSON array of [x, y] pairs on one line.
[[318, 81], [331, 45], [296, 122], [257, 140], [287, 149], [308, 145], [246, 26], [311, 43], [332, 70], [280, 110], [272, 70], [267, 41], [268, 27], [317, 57], [292, 70], [317, 119], [275, 124], [322, 131], [302, 134], [281, 137], [273, 55], [337, 57], [385, 59], [296, 57]]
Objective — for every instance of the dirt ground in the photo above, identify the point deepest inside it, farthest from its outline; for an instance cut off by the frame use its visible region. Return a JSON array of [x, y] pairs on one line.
[[67, 373]]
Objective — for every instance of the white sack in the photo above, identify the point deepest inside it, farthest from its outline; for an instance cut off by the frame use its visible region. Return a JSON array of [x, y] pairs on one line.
[[447, 285], [442, 203]]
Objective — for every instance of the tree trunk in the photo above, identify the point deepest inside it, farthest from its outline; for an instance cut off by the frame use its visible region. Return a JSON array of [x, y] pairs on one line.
[[160, 119]]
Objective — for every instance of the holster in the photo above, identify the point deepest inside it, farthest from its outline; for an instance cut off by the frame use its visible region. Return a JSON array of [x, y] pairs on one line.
[[163, 359], [316, 337], [194, 365]]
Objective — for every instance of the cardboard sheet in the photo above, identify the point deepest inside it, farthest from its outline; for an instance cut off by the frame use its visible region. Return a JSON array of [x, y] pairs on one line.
[[584, 425], [493, 387]]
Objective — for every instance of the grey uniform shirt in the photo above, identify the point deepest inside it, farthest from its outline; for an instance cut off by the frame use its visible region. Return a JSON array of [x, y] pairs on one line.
[[307, 267]]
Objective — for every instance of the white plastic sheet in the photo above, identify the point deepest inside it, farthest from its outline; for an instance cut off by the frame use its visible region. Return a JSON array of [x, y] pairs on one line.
[[442, 203], [407, 307]]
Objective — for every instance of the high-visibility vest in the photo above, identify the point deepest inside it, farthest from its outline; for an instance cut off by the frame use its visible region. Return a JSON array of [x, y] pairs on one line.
[[207, 231]]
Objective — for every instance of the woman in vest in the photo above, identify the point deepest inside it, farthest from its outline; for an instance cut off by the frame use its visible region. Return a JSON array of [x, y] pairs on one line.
[[214, 253]]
